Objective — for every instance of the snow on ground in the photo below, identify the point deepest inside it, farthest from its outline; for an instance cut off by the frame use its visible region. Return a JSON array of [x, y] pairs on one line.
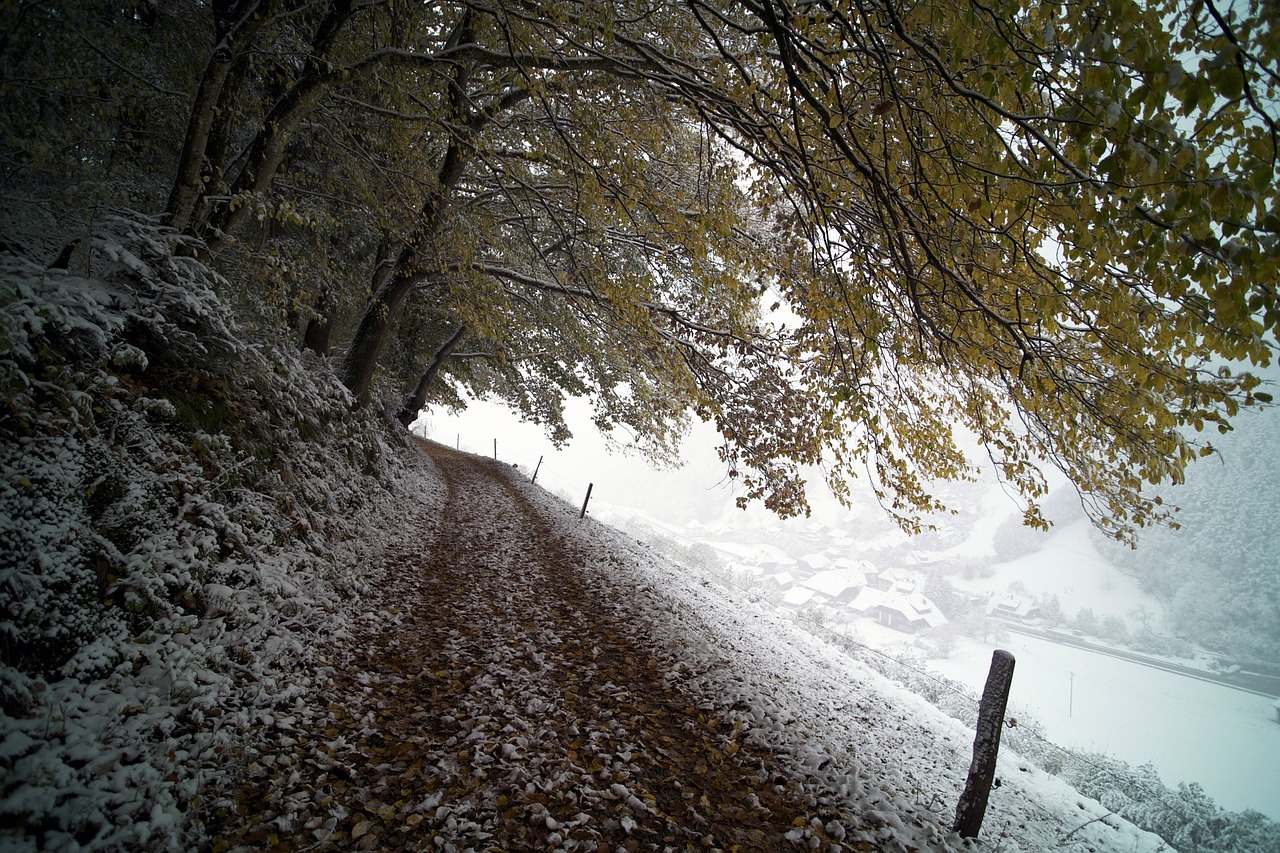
[[222, 574], [162, 584], [894, 758], [995, 506], [1227, 740], [1069, 566]]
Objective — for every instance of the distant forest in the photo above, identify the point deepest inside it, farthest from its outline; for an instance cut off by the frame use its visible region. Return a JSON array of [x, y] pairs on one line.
[[1217, 575]]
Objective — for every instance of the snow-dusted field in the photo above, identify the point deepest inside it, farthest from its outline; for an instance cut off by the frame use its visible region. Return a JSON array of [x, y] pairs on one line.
[[1225, 740], [1068, 565], [1192, 731], [901, 761]]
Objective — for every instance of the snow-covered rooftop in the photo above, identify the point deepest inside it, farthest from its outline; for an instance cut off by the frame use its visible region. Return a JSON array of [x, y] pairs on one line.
[[757, 553], [797, 596], [834, 582], [816, 560]]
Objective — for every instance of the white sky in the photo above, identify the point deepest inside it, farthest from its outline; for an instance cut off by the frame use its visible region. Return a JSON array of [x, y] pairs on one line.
[[698, 489]]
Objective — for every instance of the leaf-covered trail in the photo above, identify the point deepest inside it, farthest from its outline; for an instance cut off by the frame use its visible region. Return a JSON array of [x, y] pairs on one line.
[[510, 703]]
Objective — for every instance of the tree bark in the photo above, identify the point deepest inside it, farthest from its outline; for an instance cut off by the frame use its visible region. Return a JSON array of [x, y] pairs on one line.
[[371, 334], [366, 344], [315, 336], [415, 401], [236, 22], [986, 744], [268, 148]]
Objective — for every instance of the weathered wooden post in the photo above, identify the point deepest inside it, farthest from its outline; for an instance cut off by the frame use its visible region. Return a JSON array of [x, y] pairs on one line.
[[986, 743], [536, 470], [583, 514]]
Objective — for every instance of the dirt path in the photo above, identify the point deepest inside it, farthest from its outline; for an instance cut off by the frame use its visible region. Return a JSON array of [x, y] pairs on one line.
[[513, 704]]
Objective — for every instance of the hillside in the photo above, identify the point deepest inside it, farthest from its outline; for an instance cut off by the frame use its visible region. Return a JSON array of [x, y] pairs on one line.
[[529, 681], [240, 615], [243, 245], [183, 515]]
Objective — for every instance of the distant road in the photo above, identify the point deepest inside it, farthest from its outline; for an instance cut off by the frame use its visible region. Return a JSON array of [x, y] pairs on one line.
[[1249, 682]]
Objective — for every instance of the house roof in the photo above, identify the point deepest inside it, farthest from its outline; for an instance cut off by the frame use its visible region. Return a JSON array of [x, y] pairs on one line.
[[868, 597], [816, 560], [833, 582], [1020, 605], [758, 553], [914, 606], [797, 596], [902, 578], [782, 578]]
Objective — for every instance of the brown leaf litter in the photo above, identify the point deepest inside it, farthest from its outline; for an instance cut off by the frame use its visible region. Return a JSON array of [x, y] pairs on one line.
[[498, 699]]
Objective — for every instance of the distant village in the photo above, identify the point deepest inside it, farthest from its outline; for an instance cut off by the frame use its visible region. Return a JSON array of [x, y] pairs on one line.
[[831, 587], [836, 589]]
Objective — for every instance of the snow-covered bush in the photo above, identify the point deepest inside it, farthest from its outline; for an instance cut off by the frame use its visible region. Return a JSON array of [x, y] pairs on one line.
[[171, 505], [1186, 817]]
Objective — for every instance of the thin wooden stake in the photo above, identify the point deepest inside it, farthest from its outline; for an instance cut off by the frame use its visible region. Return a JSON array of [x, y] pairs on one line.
[[986, 743], [536, 470], [583, 514]]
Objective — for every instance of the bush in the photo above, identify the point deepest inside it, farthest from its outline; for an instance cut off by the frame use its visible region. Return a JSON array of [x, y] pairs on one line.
[[169, 540], [1086, 622]]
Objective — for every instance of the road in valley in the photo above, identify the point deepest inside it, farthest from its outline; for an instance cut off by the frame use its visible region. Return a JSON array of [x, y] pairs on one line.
[[1249, 682]]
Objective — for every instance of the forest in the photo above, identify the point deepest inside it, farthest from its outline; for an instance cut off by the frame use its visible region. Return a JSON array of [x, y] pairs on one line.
[[841, 232], [1214, 573]]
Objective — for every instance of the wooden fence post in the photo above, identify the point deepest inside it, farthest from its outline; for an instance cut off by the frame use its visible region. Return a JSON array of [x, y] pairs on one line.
[[536, 470], [986, 743], [583, 514]]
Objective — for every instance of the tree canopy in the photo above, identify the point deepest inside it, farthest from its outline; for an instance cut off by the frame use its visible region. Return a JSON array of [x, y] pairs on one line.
[[844, 232]]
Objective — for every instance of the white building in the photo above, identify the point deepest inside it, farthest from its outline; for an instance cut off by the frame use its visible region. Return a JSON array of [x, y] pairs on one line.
[[894, 608], [838, 585]]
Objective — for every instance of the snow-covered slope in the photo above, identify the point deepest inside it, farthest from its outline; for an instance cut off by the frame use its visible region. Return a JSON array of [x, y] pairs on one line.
[[182, 516], [194, 530], [842, 729]]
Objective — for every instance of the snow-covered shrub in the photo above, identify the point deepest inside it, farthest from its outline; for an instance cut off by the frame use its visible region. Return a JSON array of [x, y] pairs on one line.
[[171, 502]]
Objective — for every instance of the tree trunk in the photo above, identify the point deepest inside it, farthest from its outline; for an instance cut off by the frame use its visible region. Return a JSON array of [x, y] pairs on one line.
[[986, 744], [268, 148], [315, 336], [236, 22], [415, 401], [371, 334]]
